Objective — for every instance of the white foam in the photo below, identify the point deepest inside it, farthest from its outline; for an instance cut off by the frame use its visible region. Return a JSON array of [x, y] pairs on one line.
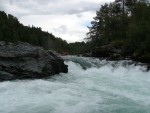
[[103, 88]]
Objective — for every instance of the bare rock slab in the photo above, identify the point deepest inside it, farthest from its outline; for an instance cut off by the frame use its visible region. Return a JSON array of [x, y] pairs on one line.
[[24, 61]]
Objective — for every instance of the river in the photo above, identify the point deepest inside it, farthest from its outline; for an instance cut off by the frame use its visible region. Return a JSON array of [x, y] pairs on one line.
[[91, 86]]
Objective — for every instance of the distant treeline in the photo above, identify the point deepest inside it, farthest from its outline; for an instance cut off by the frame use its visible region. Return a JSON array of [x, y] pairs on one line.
[[123, 24], [11, 30]]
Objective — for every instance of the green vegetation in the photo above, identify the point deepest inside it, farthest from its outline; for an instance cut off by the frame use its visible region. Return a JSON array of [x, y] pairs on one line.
[[127, 26], [11, 30], [122, 26]]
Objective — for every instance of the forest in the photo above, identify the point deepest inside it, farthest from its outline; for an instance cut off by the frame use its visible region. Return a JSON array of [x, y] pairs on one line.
[[11, 30], [122, 26]]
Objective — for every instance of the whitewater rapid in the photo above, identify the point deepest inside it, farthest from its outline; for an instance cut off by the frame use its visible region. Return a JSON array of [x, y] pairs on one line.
[[91, 86]]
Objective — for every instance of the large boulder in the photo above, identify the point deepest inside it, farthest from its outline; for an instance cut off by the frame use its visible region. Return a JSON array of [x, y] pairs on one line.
[[23, 61]]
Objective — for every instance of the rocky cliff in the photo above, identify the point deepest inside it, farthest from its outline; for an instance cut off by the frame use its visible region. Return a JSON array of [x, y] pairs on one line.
[[24, 61]]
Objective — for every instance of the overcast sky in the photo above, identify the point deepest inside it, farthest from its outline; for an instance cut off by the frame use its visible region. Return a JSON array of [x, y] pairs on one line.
[[67, 19]]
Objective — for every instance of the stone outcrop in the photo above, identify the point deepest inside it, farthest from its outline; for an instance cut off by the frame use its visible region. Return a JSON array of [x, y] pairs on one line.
[[106, 52], [116, 52], [24, 61]]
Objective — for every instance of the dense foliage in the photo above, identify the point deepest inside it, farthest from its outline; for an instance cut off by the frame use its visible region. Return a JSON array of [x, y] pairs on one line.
[[11, 30], [125, 23]]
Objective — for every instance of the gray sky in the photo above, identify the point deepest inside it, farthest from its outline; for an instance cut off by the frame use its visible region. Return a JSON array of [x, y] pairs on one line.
[[67, 19]]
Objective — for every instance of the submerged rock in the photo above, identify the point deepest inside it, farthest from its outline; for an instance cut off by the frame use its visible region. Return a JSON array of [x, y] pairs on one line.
[[23, 61]]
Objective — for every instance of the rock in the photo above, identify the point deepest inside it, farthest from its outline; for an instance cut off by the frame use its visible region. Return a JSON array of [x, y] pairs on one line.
[[23, 61], [107, 52], [111, 51], [5, 76], [86, 54], [145, 58]]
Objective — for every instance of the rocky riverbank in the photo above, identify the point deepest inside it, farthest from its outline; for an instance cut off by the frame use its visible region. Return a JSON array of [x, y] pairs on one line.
[[24, 61], [113, 52]]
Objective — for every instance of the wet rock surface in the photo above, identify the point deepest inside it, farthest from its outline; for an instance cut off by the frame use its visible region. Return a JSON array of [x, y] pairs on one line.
[[24, 61]]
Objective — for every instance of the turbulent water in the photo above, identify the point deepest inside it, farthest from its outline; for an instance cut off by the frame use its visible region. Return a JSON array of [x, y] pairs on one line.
[[91, 86]]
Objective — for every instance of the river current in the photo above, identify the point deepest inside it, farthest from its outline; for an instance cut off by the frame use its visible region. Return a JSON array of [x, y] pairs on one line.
[[91, 86]]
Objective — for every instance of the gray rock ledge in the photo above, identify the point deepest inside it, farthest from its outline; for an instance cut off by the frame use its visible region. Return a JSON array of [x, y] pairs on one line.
[[24, 61]]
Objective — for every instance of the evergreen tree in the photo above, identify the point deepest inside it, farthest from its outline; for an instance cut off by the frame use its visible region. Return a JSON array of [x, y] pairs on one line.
[[108, 20], [129, 27]]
